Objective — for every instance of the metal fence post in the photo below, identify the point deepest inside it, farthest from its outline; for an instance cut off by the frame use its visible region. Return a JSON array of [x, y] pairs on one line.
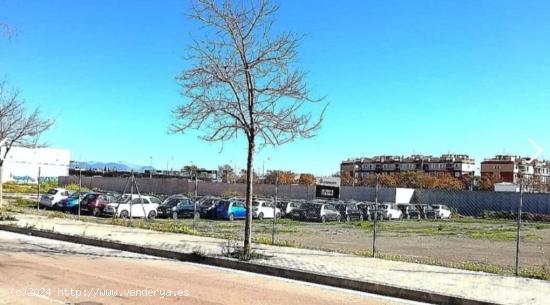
[[79, 191], [195, 202], [275, 209], [375, 218], [38, 197], [518, 235]]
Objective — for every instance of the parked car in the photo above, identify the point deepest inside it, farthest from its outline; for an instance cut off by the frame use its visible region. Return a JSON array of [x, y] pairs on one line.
[[350, 211], [230, 210], [69, 204], [286, 207], [171, 207], [133, 205], [389, 211], [185, 208], [299, 213], [53, 196], [410, 211], [264, 209], [207, 208], [425, 210], [94, 203], [367, 209], [323, 213], [440, 211]]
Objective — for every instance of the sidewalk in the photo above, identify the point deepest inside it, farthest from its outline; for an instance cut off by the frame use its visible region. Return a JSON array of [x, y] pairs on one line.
[[446, 281]]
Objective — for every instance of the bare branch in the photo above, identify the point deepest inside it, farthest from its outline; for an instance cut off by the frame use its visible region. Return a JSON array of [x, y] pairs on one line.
[[242, 77], [17, 127]]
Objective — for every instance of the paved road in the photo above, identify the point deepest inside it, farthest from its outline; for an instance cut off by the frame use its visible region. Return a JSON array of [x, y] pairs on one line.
[[52, 268]]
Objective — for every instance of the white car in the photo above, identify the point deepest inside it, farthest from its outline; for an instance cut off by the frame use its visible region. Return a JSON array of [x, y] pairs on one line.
[[53, 196], [389, 211], [264, 209], [134, 206], [441, 211]]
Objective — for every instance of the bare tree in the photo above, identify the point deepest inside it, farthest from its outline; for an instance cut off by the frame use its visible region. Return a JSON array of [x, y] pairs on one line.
[[243, 81], [17, 126]]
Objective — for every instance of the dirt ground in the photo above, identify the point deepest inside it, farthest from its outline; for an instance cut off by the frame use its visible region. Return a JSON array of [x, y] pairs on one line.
[[401, 241]]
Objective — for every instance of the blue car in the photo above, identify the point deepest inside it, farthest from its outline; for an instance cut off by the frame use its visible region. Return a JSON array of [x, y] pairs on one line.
[[69, 204], [230, 210]]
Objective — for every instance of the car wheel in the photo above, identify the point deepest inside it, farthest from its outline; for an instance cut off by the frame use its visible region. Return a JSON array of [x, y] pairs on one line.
[[124, 214], [278, 215], [323, 219], [361, 218], [261, 216], [338, 218], [231, 217], [401, 217], [96, 212], [175, 215], [197, 215], [348, 219], [152, 215]]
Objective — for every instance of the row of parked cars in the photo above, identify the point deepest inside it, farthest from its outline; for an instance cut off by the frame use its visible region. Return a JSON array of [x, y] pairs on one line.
[[180, 206], [347, 211]]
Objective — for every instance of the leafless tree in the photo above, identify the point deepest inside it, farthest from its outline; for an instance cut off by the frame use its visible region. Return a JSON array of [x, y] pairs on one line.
[[243, 81], [17, 126]]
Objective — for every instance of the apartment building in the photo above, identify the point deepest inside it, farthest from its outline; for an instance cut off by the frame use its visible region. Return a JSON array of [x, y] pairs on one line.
[[457, 165], [506, 168], [510, 168]]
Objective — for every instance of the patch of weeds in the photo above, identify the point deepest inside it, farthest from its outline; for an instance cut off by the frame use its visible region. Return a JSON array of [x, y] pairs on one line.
[[5, 216], [265, 240], [541, 273], [54, 214], [233, 249]]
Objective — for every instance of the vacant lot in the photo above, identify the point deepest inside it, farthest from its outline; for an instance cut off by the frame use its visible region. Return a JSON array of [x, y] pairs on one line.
[[470, 243]]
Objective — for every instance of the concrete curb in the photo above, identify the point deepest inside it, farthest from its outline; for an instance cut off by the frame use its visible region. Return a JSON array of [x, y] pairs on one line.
[[311, 277]]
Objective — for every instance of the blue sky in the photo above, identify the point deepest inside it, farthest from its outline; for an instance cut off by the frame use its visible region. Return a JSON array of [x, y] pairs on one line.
[[401, 77]]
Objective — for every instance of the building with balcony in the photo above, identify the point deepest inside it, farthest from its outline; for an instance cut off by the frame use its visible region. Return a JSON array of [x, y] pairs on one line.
[[457, 165]]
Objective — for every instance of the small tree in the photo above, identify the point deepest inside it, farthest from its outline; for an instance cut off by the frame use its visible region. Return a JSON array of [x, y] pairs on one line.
[[17, 126], [243, 81], [306, 179]]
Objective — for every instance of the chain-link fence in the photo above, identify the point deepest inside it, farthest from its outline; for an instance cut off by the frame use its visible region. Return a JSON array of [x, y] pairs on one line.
[[471, 230]]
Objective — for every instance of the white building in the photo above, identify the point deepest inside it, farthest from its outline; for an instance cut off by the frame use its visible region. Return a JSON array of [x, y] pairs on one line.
[[22, 164]]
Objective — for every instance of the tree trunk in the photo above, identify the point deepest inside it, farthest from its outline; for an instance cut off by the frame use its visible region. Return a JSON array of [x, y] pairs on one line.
[[249, 191]]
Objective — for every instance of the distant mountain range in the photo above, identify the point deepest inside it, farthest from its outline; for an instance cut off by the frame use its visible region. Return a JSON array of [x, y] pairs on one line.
[[118, 166]]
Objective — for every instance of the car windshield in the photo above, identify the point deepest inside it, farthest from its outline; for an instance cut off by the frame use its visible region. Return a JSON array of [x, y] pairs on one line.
[[255, 203], [171, 203], [52, 192], [435, 207], [383, 206], [224, 204]]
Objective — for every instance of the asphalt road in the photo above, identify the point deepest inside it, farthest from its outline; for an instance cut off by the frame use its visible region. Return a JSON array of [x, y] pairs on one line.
[[40, 271]]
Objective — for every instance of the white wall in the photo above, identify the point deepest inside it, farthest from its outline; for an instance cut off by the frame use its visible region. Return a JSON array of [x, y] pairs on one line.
[[22, 164], [403, 195]]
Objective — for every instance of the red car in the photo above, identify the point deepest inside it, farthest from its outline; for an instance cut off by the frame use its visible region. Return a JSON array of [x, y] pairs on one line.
[[94, 203]]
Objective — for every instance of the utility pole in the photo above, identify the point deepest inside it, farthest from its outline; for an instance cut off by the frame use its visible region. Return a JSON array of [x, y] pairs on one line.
[[150, 167]]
